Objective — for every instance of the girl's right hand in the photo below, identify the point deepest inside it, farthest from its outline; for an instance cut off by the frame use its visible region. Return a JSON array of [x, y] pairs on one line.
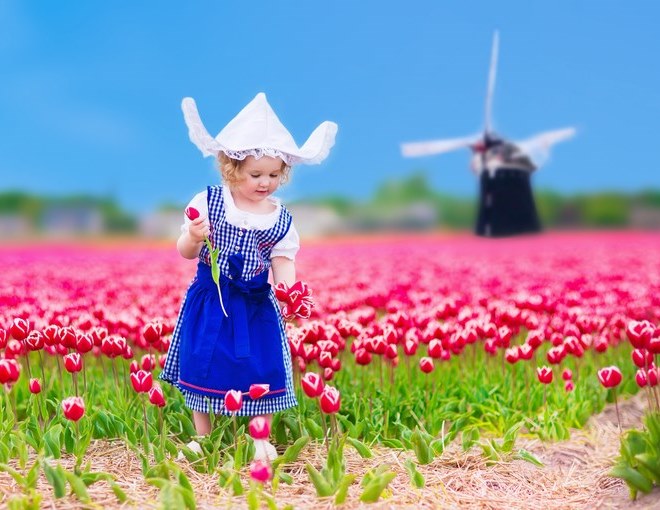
[[198, 229]]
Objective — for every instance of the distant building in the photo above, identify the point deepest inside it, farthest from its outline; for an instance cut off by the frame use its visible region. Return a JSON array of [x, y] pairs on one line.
[[316, 220], [72, 220], [161, 224], [14, 225]]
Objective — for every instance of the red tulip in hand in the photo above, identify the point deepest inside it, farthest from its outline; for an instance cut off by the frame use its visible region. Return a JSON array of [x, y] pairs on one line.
[[73, 408], [192, 213], [312, 384], [297, 299]]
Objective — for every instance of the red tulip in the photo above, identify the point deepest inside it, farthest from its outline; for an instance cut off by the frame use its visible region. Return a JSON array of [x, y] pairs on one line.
[[192, 213], [142, 381], [330, 400], [67, 337], [14, 349], [156, 396], [34, 340], [258, 390], [10, 371], [362, 357], [148, 362], [152, 332], [639, 333], [525, 351], [511, 355], [73, 362], [98, 334], [640, 378], [642, 358], [610, 377], [73, 408], [259, 428], [328, 374], [567, 375], [35, 386], [653, 376], [434, 349], [260, 471], [133, 367], [84, 343], [569, 386], [410, 347], [653, 344], [51, 334], [544, 374], [312, 384], [19, 329], [426, 365], [233, 401]]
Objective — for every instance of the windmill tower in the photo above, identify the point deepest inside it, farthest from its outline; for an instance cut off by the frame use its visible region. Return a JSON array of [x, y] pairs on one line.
[[504, 168]]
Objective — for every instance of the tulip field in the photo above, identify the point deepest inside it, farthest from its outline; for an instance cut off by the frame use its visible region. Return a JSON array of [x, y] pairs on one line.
[[424, 348]]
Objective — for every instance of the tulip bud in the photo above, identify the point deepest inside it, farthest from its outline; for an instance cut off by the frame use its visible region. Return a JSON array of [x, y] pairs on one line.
[[544, 374], [259, 428], [426, 365], [260, 471], [610, 377], [328, 374], [142, 381], [567, 375], [73, 362], [330, 400], [35, 386], [640, 378], [192, 213], [233, 401], [258, 390], [73, 408], [19, 329], [156, 396], [653, 375], [312, 384]]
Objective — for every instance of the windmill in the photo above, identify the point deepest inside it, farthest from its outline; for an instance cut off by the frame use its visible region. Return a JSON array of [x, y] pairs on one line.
[[506, 203]]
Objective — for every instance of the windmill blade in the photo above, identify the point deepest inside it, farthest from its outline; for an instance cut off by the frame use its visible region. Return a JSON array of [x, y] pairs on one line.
[[538, 146], [488, 121], [414, 149]]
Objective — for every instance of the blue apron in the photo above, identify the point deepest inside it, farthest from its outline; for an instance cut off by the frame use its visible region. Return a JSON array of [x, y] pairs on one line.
[[219, 353]]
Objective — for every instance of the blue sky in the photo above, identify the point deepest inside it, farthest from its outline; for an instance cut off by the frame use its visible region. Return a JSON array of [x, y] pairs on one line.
[[90, 91]]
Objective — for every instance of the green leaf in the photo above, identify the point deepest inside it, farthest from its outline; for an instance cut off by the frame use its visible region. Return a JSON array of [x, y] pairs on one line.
[[53, 441], [292, 452], [342, 490], [469, 437], [375, 488], [19, 478], [69, 440], [188, 497], [33, 475], [632, 477], [416, 478], [322, 486], [78, 486], [118, 492], [361, 448], [314, 429], [421, 448], [253, 499], [56, 479], [528, 456]]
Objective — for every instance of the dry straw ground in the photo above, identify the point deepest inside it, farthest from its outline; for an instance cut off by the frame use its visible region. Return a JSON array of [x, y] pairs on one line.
[[574, 476]]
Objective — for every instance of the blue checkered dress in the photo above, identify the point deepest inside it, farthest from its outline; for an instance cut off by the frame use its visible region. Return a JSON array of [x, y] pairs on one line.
[[254, 247]]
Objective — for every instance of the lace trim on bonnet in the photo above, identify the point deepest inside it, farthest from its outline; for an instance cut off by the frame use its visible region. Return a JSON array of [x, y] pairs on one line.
[[258, 154]]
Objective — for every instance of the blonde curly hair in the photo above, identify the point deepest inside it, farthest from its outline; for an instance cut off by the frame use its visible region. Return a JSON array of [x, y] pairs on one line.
[[231, 170]]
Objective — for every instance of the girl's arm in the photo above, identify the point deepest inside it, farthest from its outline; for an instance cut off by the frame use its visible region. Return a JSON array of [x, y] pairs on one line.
[[284, 269], [190, 242]]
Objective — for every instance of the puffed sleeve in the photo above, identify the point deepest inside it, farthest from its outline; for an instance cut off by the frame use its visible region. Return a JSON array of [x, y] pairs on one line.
[[199, 202], [288, 245]]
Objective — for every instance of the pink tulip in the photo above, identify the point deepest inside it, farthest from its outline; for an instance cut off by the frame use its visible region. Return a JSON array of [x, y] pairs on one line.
[[233, 401], [544, 374], [73, 408], [312, 384], [260, 471], [610, 377], [34, 386], [142, 381], [259, 428], [330, 400], [156, 396]]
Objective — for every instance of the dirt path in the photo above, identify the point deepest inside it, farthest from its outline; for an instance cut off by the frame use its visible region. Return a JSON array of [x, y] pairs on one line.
[[574, 476]]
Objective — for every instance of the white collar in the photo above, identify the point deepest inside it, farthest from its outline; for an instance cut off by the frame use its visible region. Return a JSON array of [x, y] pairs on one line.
[[245, 219]]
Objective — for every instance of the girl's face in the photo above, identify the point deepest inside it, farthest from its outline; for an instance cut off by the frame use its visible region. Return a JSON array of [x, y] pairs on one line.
[[259, 178]]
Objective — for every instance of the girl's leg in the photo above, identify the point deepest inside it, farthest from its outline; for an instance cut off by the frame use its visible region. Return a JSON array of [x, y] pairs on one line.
[[202, 423]]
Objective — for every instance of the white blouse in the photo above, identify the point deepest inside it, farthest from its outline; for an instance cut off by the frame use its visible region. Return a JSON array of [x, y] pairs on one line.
[[287, 247]]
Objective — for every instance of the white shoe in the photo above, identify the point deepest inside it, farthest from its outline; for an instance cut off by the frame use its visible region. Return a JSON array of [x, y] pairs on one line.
[[192, 445], [263, 450]]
